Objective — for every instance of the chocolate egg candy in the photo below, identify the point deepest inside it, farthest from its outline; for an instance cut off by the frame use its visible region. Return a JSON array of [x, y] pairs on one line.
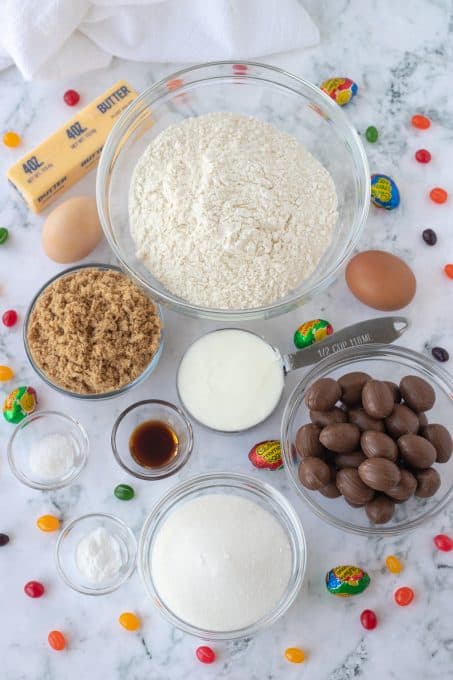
[[395, 390], [314, 473], [340, 438], [19, 403], [441, 439], [417, 393], [359, 417], [351, 385], [417, 451], [377, 399], [379, 473], [330, 490], [422, 419], [378, 444], [402, 420], [267, 455], [380, 509], [354, 505], [352, 487], [384, 192], [323, 418], [428, 482], [323, 394], [341, 90], [405, 487], [311, 332], [347, 580], [307, 441], [349, 460]]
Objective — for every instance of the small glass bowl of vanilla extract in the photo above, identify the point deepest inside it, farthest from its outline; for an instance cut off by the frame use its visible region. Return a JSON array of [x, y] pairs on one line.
[[152, 439]]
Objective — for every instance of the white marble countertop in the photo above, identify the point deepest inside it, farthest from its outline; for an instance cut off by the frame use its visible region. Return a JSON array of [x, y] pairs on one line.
[[398, 53]]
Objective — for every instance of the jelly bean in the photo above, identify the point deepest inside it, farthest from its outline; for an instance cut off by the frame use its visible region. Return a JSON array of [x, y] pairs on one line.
[[34, 589], [4, 540], [422, 156], [443, 542], [9, 318], [129, 621], [48, 523], [205, 654], [404, 596], [420, 122], [11, 139], [240, 68], [438, 195], [429, 236], [440, 354], [124, 492], [371, 134], [56, 640], [295, 655], [393, 564], [4, 233], [6, 373], [71, 97], [368, 619], [174, 84], [448, 269]]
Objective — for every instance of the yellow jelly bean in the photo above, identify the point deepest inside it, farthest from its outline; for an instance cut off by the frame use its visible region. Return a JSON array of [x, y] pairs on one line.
[[393, 564], [129, 621], [6, 373], [295, 655], [48, 523], [11, 139]]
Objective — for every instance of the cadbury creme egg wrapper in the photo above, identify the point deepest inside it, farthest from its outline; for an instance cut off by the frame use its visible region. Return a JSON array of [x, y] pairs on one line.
[[267, 455], [347, 580], [19, 403]]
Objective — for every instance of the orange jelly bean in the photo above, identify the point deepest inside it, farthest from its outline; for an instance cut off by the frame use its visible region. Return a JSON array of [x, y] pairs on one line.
[[11, 139], [393, 564], [48, 523], [404, 596], [438, 195], [448, 269], [56, 640], [420, 122], [295, 655], [6, 373], [129, 621]]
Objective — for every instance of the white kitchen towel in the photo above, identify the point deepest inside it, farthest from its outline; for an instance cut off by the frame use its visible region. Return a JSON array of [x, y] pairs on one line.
[[49, 39]]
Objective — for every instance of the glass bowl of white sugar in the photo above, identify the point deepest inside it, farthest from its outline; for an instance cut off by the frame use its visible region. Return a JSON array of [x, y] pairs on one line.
[[222, 555], [233, 191], [48, 450]]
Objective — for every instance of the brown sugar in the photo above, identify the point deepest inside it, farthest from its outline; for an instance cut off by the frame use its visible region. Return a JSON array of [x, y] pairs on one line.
[[93, 331]]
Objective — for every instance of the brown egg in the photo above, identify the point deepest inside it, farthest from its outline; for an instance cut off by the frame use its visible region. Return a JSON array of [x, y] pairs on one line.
[[72, 230], [380, 280]]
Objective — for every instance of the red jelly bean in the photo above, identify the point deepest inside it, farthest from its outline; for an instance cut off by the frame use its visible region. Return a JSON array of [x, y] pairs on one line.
[[420, 122], [443, 542], [368, 619], [71, 97], [205, 654], [438, 195], [9, 318], [422, 156], [34, 589], [240, 68], [404, 596], [448, 269], [56, 640]]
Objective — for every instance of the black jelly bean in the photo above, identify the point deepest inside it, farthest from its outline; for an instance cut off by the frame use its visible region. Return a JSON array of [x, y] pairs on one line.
[[430, 237], [4, 539], [440, 354]]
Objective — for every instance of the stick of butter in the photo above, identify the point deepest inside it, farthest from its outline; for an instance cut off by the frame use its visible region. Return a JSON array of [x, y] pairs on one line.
[[72, 151]]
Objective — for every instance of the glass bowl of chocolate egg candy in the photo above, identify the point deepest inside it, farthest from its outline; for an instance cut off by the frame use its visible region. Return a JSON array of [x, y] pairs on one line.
[[366, 441]]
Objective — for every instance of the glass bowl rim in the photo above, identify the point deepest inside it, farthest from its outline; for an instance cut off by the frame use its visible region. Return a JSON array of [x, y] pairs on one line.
[[132, 558], [48, 486], [255, 487], [103, 395], [164, 470], [113, 148], [345, 358]]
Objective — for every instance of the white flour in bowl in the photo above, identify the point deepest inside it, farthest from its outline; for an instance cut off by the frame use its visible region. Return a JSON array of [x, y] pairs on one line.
[[229, 212]]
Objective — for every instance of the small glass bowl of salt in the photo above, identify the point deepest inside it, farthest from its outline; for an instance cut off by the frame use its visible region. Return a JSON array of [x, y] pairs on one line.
[[48, 450], [95, 554]]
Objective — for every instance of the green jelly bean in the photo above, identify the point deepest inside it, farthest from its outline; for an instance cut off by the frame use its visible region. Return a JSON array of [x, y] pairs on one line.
[[124, 492], [4, 233], [371, 134]]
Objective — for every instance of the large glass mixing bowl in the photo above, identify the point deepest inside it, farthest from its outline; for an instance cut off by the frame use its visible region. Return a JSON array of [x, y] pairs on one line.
[[270, 94]]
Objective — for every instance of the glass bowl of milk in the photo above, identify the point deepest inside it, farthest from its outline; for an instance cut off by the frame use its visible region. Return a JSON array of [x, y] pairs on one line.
[[222, 555]]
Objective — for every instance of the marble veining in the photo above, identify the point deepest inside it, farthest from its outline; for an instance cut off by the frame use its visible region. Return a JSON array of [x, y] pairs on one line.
[[399, 54]]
